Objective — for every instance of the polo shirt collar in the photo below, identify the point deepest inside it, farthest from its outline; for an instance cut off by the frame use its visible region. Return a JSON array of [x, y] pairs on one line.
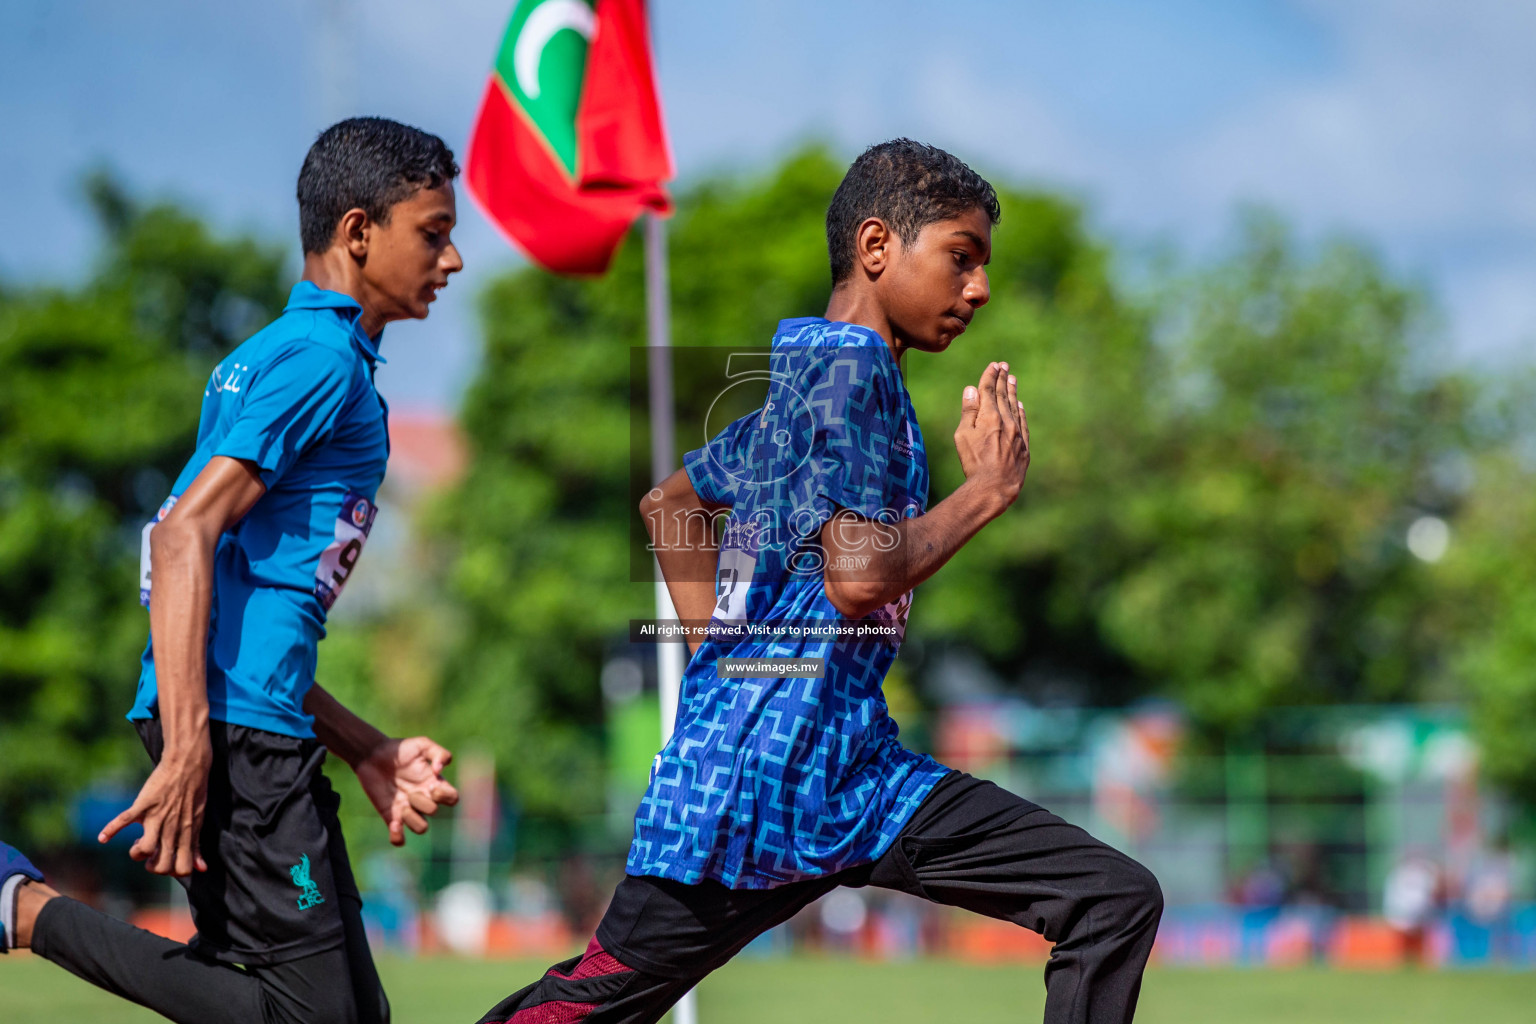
[[308, 295]]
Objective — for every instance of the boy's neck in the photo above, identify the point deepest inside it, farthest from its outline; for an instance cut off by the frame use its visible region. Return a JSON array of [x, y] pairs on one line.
[[850, 304], [335, 271]]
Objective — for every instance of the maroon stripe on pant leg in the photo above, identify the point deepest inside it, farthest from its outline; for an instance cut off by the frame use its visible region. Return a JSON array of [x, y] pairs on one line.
[[596, 962]]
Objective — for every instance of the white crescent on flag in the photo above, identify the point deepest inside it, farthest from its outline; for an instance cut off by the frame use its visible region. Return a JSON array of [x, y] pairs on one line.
[[548, 18]]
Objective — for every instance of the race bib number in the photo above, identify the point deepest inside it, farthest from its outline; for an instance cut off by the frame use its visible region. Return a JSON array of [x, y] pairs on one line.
[[340, 557], [734, 569], [144, 575]]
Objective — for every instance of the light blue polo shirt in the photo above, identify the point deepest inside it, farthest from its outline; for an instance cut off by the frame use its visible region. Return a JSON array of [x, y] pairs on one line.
[[298, 400]]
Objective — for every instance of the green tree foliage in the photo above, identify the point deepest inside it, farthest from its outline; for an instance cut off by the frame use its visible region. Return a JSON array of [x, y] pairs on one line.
[[99, 393], [1222, 484], [1489, 578], [1266, 541]]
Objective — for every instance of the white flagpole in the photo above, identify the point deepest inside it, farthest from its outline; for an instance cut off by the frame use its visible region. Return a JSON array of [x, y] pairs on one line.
[[670, 660]]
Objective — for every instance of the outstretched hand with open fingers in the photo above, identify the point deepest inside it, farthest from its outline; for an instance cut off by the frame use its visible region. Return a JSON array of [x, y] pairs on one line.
[[993, 436]]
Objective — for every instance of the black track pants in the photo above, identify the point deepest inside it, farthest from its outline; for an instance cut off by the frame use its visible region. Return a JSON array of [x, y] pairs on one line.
[[971, 845], [339, 986], [278, 899]]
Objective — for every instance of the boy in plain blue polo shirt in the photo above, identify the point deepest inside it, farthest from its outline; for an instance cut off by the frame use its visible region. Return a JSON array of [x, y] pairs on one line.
[[262, 531], [297, 403]]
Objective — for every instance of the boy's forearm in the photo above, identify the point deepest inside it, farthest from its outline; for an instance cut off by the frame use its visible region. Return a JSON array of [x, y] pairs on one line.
[[694, 603], [688, 568], [682, 532], [343, 732], [181, 565], [181, 553], [690, 577], [932, 540], [923, 545]]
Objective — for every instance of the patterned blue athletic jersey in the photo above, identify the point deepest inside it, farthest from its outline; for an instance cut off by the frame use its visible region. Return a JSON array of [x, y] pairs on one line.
[[769, 780]]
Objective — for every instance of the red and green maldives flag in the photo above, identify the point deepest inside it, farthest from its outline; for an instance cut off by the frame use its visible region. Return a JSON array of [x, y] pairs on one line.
[[568, 148]]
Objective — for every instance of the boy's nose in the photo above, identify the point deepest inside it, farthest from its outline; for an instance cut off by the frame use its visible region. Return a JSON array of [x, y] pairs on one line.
[[978, 290]]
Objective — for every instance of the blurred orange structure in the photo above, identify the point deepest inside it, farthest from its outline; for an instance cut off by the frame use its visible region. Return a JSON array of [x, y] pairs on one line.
[[173, 924]]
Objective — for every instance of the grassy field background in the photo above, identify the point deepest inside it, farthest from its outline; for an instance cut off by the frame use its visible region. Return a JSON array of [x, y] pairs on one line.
[[840, 991]]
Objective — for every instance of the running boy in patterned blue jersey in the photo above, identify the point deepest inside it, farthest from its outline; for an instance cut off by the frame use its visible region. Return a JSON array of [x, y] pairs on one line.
[[261, 532], [777, 788]]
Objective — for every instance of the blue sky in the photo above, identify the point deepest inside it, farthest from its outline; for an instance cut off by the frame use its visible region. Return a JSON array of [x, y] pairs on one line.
[[1408, 123]]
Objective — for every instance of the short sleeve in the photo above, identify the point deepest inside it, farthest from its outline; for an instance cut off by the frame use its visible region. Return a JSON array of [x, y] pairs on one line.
[[853, 406], [710, 469], [288, 405]]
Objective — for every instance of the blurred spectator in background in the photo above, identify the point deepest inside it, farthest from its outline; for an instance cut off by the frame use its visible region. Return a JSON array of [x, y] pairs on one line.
[[1313, 900], [1261, 893], [1413, 894], [1487, 898]]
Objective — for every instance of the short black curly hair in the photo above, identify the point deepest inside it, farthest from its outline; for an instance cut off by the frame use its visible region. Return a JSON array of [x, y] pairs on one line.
[[908, 185], [370, 163]]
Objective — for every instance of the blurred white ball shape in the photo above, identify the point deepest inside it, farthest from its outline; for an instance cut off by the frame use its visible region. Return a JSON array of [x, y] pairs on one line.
[[1428, 538], [843, 911], [464, 916]]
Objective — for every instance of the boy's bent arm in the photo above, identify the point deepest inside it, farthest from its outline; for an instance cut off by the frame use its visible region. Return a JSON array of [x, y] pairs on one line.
[[860, 577], [682, 530], [402, 777], [870, 563], [181, 550], [342, 731]]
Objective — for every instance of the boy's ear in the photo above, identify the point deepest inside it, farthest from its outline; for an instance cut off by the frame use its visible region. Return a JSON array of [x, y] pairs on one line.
[[873, 245], [352, 232]]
